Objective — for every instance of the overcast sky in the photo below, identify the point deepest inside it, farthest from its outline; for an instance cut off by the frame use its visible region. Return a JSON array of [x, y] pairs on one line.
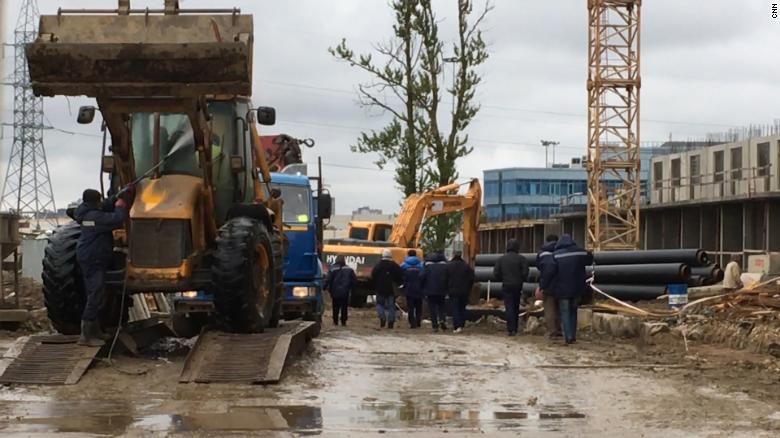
[[706, 66]]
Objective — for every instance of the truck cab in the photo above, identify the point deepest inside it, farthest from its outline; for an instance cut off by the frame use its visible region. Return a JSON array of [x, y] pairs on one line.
[[302, 271]]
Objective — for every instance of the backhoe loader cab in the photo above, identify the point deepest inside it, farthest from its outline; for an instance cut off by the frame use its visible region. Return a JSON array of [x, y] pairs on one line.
[[169, 86]]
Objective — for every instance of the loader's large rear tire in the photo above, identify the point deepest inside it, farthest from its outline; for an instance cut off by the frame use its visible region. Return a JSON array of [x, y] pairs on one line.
[[245, 276], [63, 285], [276, 311]]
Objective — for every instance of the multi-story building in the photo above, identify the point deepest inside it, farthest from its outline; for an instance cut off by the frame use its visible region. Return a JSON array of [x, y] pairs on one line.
[[524, 202], [723, 198]]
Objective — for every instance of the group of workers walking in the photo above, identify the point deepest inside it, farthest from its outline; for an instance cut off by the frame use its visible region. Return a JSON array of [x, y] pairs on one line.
[[433, 280], [562, 284]]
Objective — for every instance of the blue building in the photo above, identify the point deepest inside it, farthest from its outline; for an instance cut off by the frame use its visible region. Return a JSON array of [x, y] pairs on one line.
[[535, 193]]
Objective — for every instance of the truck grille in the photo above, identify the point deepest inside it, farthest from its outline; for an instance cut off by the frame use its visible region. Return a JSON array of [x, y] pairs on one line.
[[159, 243]]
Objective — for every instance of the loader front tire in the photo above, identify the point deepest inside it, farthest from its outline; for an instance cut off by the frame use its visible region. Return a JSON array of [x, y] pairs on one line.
[[244, 275], [63, 285]]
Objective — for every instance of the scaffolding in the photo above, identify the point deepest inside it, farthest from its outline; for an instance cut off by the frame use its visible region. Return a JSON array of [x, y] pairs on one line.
[[613, 124]]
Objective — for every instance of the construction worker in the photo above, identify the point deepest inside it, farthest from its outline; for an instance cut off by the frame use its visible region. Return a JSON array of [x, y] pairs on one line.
[[412, 267], [434, 283], [93, 252], [385, 275], [511, 270], [460, 277], [732, 274], [340, 283], [569, 282], [545, 262]]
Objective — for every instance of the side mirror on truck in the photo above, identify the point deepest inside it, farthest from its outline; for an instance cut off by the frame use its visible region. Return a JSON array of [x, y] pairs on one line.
[[86, 115], [266, 115], [324, 206]]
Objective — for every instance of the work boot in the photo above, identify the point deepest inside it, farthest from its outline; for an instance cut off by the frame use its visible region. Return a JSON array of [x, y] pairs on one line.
[[390, 324], [90, 334], [382, 322], [106, 336], [443, 327]]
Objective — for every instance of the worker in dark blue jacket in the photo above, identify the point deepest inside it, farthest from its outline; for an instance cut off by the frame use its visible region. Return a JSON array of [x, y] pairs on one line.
[[434, 284], [412, 267], [545, 262], [340, 283], [511, 270], [93, 252], [569, 282], [461, 278]]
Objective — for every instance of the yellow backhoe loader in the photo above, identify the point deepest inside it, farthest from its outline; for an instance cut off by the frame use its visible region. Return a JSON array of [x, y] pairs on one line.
[[172, 87], [367, 240]]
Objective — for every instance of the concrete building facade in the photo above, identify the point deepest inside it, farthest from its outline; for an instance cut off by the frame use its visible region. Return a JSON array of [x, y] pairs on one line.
[[724, 199]]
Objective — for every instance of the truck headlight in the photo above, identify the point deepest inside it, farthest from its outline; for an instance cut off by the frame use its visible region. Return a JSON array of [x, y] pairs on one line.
[[304, 291]]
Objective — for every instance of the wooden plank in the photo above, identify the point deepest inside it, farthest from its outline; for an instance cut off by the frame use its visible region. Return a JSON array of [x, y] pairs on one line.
[[14, 315], [278, 359], [87, 356], [195, 358], [12, 353]]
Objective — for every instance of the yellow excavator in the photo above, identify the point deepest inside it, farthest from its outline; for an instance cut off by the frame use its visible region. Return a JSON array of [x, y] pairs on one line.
[[172, 87], [367, 240]]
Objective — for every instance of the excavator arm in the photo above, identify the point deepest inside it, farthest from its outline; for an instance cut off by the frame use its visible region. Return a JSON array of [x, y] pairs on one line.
[[444, 200]]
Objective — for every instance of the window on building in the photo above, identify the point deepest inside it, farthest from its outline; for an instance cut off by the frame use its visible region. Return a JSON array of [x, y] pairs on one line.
[[736, 164], [676, 172], [492, 188], [658, 175], [694, 169], [763, 159], [718, 159]]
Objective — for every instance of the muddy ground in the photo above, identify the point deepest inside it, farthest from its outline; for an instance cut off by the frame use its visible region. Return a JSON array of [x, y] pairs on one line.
[[361, 381]]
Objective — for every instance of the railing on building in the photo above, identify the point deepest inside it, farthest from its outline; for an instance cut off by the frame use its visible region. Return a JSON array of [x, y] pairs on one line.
[[746, 181]]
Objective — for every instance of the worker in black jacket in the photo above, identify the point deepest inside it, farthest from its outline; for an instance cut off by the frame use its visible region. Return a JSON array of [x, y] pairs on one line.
[[511, 270], [385, 276], [340, 283], [434, 283], [569, 282], [460, 277], [93, 252], [545, 262]]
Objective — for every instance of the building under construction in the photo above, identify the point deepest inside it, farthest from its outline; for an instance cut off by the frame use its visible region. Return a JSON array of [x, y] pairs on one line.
[[721, 198]]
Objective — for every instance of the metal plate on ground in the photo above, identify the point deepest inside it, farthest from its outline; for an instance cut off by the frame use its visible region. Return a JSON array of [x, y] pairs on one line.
[[219, 357], [46, 360]]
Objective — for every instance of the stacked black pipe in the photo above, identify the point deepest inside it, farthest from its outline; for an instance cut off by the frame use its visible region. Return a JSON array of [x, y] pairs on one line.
[[626, 275]]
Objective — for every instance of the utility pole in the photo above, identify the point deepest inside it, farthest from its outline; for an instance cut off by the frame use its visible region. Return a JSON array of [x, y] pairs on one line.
[[613, 124], [546, 145], [27, 188]]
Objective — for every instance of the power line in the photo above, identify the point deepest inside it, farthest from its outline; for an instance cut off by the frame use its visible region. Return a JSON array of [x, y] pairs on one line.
[[509, 108]]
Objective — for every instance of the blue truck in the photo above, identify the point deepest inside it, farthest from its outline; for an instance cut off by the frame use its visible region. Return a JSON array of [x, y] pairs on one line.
[[303, 214]]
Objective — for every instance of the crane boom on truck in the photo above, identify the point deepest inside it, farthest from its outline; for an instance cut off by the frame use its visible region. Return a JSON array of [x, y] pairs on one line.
[[368, 239], [173, 90]]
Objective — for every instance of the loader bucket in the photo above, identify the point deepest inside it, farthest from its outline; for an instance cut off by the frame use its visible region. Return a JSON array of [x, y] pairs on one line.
[[142, 55]]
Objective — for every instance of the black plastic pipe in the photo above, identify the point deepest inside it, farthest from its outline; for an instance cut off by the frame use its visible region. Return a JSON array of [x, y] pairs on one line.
[[485, 273], [491, 259], [497, 292], [625, 292], [691, 257], [631, 292], [657, 273]]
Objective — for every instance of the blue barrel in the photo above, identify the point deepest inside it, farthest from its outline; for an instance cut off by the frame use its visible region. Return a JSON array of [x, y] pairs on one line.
[[678, 295]]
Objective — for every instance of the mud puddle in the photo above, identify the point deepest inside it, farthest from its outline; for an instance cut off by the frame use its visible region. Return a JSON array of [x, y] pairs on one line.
[[358, 381]]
